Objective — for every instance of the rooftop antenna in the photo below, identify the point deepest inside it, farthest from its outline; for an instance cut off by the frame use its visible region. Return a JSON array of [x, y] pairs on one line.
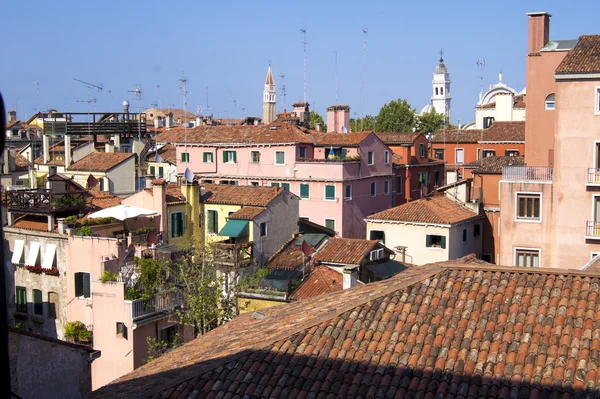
[[37, 88], [362, 94], [336, 78], [283, 88], [17, 105], [137, 90], [207, 106], [183, 81], [158, 94], [303, 31], [481, 66]]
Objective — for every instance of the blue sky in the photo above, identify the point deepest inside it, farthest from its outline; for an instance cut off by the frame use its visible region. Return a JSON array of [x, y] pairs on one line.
[[227, 46]]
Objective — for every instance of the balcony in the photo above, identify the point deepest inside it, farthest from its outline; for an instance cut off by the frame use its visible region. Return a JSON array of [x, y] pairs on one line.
[[233, 255], [43, 201], [77, 123], [593, 177], [161, 302], [322, 169], [527, 173], [592, 230]]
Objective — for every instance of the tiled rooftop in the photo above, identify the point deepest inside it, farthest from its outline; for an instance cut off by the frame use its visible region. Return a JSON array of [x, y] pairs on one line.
[[240, 195], [494, 164], [247, 213], [173, 194], [391, 138], [167, 152], [432, 210], [250, 134], [289, 256], [100, 161], [584, 58], [339, 139], [450, 331], [322, 279], [499, 131], [101, 199], [345, 251]]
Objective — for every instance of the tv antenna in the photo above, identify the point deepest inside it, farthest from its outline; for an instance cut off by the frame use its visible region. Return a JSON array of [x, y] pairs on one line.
[[303, 31], [90, 87], [283, 88], [481, 66], [183, 80], [336, 78], [207, 106], [362, 94], [37, 88]]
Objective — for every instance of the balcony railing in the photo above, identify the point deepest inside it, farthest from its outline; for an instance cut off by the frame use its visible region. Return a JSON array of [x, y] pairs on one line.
[[233, 255], [592, 229], [593, 177], [527, 173], [43, 201], [160, 302]]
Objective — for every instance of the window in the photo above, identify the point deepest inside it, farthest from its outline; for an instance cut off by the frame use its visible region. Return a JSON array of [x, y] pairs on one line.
[[254, 157], [486, 258], [528, 206], [208, 181], [511, 153], [152, 171], [52, 304], [441, 90], [330, 193], [185, 157], [21, 299], [177, 224], [330, 224], [386, 157], [422, 150], [377, 235], [527, 257], [38, 305], [438, 154], [399, 184], [212, 222], [423, 180], [254, 183], [435, 241], [370, 158], [302, 152], [437, 91], [376, 254], [229, 157], [121, 330], [460, 155], [386, 187], [263, 229], [436, 178], [373, 189], [597, 105], [207, 157], [82, 285], [550, 103], [477, 230], [489, 153], [279, 158], [487, 121], [348, 193], [464, 235], [161, 172], [304, 191], [169, 335]]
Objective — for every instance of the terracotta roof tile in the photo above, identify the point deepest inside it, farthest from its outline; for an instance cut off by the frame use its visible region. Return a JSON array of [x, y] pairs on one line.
[[247, 134], [101, 200], [433, 210], [322, 280], [494, 164], [173, 194], [391, 138], [21, 162], [339, 139], [240, 195], [457, 330], [247, 213], [289, 256], [167, 152], [101, 161], [346, 251], [30, 222], [499, 131], [584, 58]]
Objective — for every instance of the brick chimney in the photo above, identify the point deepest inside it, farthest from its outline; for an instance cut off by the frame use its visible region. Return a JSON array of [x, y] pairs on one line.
[[539, 31], [350, 276], [12, 116], [159, 199]]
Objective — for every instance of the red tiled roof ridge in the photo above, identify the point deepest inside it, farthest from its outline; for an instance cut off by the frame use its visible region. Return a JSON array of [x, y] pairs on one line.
[[584, 58]]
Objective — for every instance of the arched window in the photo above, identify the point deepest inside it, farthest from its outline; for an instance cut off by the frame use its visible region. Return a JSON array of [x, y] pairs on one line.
[[550, 101], [436, 91], [441, 90]]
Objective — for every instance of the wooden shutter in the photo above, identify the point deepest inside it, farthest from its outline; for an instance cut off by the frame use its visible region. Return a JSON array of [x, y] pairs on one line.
[[234, 157], [86, 285], [304, 190], [444, 242], [211, 221], [329, 192], [180, 225], [286, 186], [78, 284], [225, 156], [428, 241]]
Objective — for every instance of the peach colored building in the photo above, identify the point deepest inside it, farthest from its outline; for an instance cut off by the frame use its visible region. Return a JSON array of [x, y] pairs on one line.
[[550, 215]]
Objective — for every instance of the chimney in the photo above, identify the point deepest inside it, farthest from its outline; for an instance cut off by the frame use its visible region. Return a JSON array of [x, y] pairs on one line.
[[539, 31], [12, 116], [159, 199], [198, 121], [168, 121], [61, 226], [108, 147], [318, 127], [157, 122], [349, 279], [126, 108], [504, 106], [338, 118]]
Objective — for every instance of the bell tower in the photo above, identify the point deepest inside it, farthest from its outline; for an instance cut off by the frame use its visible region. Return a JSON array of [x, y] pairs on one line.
[[441, 98], [269, 99]]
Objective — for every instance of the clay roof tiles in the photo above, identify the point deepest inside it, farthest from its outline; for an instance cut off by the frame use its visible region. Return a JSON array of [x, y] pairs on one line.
[[494, 165], [322, 279], [240, 195], [431, 210], [100, 161], [339, 139], [21, 162], [168, 153], [443, 330], [173, 194], [241, 134], [290, 255], [346, 251], [247, 213], [498, 131], [584, 58]]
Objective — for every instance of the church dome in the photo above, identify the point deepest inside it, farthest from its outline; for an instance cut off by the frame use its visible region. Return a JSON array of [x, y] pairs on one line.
[[427, 109], [441, 67]]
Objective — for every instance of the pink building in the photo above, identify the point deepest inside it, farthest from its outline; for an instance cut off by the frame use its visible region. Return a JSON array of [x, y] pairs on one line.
[[340, 177], [338, 118], [550, 216]]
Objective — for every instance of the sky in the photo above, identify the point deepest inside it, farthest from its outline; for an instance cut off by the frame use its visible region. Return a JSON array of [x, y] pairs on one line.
[[223, 49]]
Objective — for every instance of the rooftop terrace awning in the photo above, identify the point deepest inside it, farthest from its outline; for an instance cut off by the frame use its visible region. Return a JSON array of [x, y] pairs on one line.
[[235, 228]]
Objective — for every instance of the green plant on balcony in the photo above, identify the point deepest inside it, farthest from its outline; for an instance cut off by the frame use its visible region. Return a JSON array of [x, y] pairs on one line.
[[84, 231], [108, 277], [77, 332], [71, 219]]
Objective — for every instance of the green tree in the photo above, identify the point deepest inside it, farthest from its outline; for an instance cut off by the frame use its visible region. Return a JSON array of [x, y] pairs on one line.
[[397, 116], [367, 123], [315, 118], [431, 122]]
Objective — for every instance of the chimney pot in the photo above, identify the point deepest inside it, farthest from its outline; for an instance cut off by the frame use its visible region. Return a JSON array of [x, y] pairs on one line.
[[349, 278]]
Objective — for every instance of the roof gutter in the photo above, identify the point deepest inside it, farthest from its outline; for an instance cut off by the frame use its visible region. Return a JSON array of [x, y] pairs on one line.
[[567, 76]]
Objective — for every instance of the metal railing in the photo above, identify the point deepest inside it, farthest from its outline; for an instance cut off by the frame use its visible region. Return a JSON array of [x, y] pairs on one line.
[[527, 173], [159, 303], [592, 229], [593, 176], [43, 200]]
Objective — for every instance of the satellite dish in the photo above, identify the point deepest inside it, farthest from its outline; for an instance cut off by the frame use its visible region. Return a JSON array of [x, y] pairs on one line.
[[344, 129]]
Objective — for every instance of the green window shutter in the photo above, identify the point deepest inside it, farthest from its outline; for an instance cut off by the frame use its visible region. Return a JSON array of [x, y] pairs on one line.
[[225, 156], [173, 224], [205, 157], [444, 242], [344, 153], [304, 190], [234, 156], [183, 157], [274, 184], [37, 303], [330, 192], [427, 240], [78, 284], [210, 216], [286, 186], [152, 170], [181, 226], [86, 285]]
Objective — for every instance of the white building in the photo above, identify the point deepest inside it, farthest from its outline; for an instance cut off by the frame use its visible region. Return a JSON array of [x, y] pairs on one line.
[[440, 97]]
